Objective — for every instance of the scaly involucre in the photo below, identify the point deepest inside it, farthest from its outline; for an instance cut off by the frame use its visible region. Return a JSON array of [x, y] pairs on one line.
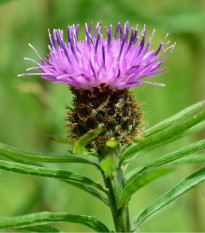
[[117, 61]]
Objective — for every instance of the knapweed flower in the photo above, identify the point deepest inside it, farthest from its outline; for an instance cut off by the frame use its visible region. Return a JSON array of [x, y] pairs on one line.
[[99, 72]]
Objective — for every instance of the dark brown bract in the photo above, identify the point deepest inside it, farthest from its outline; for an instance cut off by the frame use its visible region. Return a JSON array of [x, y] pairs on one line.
[[113, 110]]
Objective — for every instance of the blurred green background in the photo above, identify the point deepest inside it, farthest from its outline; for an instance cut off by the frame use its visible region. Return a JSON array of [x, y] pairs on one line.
[[31, 108]]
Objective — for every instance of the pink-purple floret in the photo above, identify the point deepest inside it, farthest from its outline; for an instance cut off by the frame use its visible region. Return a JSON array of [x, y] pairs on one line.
[[117, 61]]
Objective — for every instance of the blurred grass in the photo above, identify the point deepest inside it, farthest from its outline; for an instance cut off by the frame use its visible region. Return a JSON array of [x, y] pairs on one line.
[[31, 108]]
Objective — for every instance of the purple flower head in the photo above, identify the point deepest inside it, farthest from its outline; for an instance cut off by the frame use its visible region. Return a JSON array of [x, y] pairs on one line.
[[119, 61]]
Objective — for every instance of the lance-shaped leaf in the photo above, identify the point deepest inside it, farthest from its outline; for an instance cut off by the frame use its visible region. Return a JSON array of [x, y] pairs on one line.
[[90, 190], [39, 157], [169, 158], [16, 159], [194, 129], [182, 134], [48, 217], [189, 160], [49, 172], [174, 119], [181, 188], [139, 181], [84, 187], [163, 136], [80, 145]]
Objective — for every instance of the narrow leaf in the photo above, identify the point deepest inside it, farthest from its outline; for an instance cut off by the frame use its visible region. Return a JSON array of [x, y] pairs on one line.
[[193, 148], [181, 188], [48, 172], [162, 136], [79, 147], [174, 119], [84, 187], [90, 190], [140, 181], [188, 160], [18, 160], [182, 134], [48, 217], [187, 132], [39, 157]]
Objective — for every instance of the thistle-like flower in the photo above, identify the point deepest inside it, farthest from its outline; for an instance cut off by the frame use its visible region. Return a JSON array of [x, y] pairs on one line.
[[99, 72]]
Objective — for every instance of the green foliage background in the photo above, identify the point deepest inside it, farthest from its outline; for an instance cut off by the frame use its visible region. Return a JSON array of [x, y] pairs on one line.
[[31, 108]]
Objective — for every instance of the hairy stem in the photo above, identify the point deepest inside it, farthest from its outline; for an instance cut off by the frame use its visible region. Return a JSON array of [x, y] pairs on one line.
[[120, 216]]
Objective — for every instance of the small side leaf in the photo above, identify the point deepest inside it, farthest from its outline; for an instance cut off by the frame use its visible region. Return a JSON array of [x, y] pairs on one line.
[[48, 217], [79, 146], [181, 188], [139, 181], [174, 119], [49, 172]]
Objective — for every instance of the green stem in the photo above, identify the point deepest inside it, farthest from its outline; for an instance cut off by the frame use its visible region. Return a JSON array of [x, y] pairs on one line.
[[115, 185]]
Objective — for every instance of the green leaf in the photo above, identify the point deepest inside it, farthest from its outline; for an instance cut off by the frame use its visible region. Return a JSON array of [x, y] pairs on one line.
[[174, 119], [182, 134], [6, 156], [48, 217], [188, 160], [81, 186], [49, 172], [90, 190], [39, 157], [191, 130], [139, 181], [163, 136], [181, 188], [80, 148], [193, 148]]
